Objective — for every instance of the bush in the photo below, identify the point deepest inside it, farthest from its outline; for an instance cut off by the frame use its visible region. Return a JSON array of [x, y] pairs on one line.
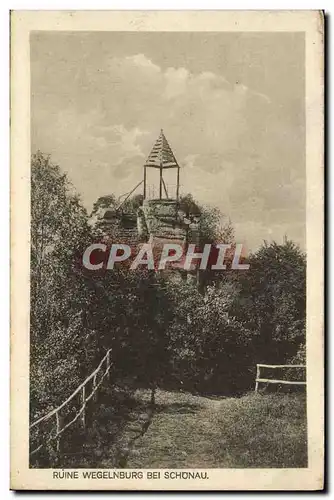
[[210, 351]]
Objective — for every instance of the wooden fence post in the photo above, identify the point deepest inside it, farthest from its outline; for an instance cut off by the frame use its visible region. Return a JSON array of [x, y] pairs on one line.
[[257, 377], [94, 389], [58, 429], [108, 365]]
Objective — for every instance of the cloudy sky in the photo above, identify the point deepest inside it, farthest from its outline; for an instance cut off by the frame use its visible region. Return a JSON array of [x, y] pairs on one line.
[[231, 106]]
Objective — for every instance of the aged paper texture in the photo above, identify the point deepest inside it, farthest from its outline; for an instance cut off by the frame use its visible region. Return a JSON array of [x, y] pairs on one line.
[[167, 250]]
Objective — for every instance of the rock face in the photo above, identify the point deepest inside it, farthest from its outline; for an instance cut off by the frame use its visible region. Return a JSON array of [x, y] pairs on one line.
[[157, 221], [165, 221], [118, 227]]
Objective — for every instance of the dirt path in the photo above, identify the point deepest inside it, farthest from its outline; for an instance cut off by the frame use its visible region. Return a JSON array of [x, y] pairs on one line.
[[182, 433]]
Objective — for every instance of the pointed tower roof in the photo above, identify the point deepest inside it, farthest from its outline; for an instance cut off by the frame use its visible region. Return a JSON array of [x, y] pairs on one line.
[[161, 155]]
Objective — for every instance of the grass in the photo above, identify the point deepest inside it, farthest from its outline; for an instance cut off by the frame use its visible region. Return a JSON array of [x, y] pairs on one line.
[[256, 430], [111, 424], [188, 431]]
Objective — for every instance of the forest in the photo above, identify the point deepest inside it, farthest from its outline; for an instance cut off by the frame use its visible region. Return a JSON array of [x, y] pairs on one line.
[[163, 333]]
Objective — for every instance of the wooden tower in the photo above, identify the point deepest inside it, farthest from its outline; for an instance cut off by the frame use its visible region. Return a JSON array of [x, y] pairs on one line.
[[162, 157]]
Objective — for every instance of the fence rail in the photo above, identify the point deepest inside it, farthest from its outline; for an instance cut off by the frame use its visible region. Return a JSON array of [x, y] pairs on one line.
[[276, 381], [104, 366]]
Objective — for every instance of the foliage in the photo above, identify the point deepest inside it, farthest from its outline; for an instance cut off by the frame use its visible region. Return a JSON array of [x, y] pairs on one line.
[[271, 300], [75, 314], [106, 201], [129, 311], [129, 205], [162, 331], [132, 204], [213, 228], [59, 231], [211, 352], [300, 356]]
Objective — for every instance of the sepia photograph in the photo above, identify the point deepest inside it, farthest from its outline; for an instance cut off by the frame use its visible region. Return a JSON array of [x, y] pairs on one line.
[[168, 236]]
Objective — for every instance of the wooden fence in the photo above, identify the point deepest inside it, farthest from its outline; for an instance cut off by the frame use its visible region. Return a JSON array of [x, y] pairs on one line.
[[276, 381], [82, 392]]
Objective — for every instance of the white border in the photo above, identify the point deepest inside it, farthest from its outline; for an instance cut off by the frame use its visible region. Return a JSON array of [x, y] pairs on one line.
[[314, 126]]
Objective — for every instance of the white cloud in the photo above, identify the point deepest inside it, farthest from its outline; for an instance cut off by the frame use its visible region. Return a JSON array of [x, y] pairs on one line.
[[226, 136], [142, 61], [123, 142]]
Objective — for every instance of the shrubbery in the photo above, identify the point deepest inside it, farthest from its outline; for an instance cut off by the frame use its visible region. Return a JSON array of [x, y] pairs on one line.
[[162, 332]]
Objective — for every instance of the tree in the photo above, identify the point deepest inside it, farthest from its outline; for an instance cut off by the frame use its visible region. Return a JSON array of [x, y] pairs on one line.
[[132, 204], [272, 300], [76, 315], [212, 226], [59, 234], [210, 351], [103, 202]]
